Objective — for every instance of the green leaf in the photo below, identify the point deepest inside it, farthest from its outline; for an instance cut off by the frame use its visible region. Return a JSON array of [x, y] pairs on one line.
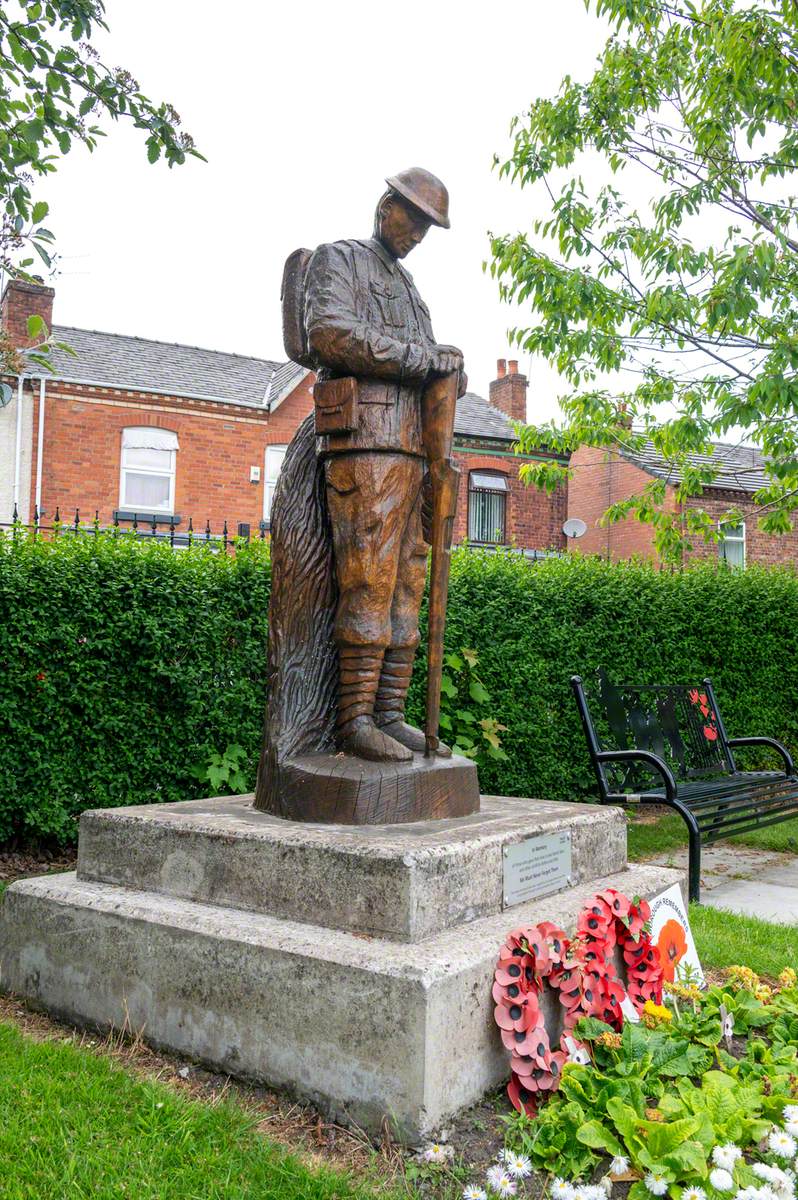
[[36, 326], [597, 1136], [40, 211], [478, 693]]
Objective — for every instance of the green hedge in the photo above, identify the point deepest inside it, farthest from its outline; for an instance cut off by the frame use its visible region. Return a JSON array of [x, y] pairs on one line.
[[127, 664]]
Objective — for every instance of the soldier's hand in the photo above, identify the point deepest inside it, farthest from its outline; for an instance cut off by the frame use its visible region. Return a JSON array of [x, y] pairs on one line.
[[446, 359]]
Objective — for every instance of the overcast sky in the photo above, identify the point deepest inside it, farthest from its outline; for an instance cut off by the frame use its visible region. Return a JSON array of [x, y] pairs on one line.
[[302, 109]]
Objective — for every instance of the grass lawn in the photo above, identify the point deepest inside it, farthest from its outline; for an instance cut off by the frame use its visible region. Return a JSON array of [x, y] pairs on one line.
[[74, 1124], [670, 833], [724, 939]]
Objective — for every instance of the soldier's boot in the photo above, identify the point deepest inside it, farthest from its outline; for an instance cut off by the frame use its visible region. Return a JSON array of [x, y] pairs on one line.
[[359, 675], [389, 707]]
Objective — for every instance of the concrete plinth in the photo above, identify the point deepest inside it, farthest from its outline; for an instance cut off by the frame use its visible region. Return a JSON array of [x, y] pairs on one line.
[[397, 1025]]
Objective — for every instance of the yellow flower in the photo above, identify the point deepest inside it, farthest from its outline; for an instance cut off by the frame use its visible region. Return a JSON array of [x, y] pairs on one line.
[[657, 1012], [788, 978], [742, 977], [612, 1041], [654, 1114], [764, 993]]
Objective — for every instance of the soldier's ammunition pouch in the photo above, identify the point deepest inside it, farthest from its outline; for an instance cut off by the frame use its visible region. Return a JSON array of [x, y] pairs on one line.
[[335, 401]]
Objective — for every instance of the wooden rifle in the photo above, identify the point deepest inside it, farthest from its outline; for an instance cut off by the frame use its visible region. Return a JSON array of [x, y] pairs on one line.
[[437, 422]]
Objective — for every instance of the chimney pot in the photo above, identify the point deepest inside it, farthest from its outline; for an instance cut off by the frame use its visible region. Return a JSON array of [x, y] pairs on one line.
[[501, 368], [512, 366]]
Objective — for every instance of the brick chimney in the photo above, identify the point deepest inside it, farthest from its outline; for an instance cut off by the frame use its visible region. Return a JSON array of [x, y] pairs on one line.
[[508, 390], [22, 300]]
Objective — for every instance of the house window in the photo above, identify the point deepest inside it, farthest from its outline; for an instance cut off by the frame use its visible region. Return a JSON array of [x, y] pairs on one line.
[[487, 507], [147, 483], [274, 462], [731, 547]]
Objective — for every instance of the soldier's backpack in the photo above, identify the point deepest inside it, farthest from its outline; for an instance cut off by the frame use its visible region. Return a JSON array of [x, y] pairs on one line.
[[292, 297]]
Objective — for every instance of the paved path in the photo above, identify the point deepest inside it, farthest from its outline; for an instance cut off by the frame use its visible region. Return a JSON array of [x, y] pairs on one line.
[[757, 883]]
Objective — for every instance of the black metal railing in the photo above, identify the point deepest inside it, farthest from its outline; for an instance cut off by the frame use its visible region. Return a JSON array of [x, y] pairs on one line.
[[161, 528]]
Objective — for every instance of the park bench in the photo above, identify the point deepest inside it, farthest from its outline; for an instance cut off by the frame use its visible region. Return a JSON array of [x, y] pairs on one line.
[[668, 745]]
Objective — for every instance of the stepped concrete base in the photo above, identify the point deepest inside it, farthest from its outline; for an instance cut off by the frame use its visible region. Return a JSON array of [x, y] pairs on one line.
[[365, 1026], [401, 882]]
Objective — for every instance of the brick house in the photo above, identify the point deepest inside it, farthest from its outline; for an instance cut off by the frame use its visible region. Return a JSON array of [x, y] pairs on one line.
[[601, 478], [129, 425]]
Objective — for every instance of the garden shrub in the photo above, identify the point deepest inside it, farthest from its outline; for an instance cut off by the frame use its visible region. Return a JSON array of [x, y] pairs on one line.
[[128, 666]]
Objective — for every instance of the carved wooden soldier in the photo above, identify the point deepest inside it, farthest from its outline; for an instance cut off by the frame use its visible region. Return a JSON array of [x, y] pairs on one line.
[[371, 342]]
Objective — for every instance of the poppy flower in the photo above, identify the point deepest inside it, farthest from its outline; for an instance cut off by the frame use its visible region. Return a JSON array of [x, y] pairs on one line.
[[512, 995], [617, 902], [672, 947], [710, 734], [557, 943], [534, 1079], [518, 971], [535, 1045], [521, 1098], [519, 1014]]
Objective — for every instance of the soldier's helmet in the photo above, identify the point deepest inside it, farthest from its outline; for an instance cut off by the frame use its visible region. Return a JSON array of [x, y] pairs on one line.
[[424, 191]]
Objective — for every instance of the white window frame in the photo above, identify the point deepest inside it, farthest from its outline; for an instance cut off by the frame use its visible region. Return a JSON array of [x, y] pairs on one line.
[[496, 482], [272, 465], [138, 437], [736, 539]]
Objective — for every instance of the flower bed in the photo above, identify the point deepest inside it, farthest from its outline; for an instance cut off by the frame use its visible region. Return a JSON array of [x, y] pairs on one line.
[[697, 1101]]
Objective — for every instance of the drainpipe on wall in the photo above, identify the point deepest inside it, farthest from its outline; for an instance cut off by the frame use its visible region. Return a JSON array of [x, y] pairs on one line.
[[40, 449], [18, 445]]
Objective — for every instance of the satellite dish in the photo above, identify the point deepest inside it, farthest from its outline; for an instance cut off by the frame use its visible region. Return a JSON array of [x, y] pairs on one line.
[[574, 528], [6, 393]]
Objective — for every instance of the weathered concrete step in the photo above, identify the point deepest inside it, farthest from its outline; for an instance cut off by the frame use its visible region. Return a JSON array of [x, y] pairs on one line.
[[402, 882], [364, 1027]]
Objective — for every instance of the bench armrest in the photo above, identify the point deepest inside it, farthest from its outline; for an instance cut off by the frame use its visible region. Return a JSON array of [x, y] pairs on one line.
[[644, 756], [789, 766]]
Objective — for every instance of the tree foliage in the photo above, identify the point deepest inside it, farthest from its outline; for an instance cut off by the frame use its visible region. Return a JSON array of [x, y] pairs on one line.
[[689, 292], [54, 91]]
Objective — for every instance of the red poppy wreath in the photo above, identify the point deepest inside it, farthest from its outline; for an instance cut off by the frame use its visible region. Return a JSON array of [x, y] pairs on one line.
[[583, 974]]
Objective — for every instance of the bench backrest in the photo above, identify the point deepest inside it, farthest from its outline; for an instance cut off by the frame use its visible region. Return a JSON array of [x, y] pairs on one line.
[[679, 723]]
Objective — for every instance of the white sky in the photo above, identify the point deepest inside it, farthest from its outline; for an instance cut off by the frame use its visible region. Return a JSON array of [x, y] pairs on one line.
[[301, 110]]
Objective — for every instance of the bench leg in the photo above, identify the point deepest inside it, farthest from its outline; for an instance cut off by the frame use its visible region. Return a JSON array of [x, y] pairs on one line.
[[694, 868]]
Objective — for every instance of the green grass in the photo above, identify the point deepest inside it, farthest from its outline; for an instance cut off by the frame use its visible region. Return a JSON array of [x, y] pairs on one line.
[[724, 939], [74, 1124], [670, 833]]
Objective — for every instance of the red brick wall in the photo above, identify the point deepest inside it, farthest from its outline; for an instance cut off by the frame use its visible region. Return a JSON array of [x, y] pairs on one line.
[[533, 519], [218, 445], [600, 479], [760, 547], [20, 301]]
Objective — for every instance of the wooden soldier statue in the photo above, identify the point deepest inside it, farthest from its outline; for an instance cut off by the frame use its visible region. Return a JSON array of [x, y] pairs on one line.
[[351, 510]]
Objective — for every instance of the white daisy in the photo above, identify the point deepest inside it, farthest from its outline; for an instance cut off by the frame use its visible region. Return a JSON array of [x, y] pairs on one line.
[[693, 1193], [518, 1165], [767, 1193], [726, 1156], [619, 1165], [437, 1152], [561, 1189], [790, 1112], [792, 1127], [765, 1171], [472, 1192], [500, 1181], [782, 1144], [721, 1179], [657, 1182]]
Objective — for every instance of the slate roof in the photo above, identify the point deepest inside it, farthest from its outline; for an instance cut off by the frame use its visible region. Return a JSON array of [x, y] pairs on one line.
[[119, 360], [122, 361], [740, 468], [476, 418]]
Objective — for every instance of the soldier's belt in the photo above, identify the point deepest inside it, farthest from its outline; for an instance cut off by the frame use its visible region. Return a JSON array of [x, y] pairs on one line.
[[337, 401]]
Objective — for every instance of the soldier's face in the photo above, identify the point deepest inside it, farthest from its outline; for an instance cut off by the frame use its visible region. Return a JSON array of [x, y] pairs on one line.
[[402, 227]]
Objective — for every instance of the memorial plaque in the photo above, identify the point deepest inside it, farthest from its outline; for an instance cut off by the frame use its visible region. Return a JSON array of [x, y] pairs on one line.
[[536, 867]]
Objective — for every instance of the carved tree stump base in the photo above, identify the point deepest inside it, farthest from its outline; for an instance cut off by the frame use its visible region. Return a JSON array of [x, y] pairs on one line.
[[342, 790]]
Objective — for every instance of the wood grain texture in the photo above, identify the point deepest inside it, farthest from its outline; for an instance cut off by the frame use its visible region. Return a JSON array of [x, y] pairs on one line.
[[303, 663], [342, 790]]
